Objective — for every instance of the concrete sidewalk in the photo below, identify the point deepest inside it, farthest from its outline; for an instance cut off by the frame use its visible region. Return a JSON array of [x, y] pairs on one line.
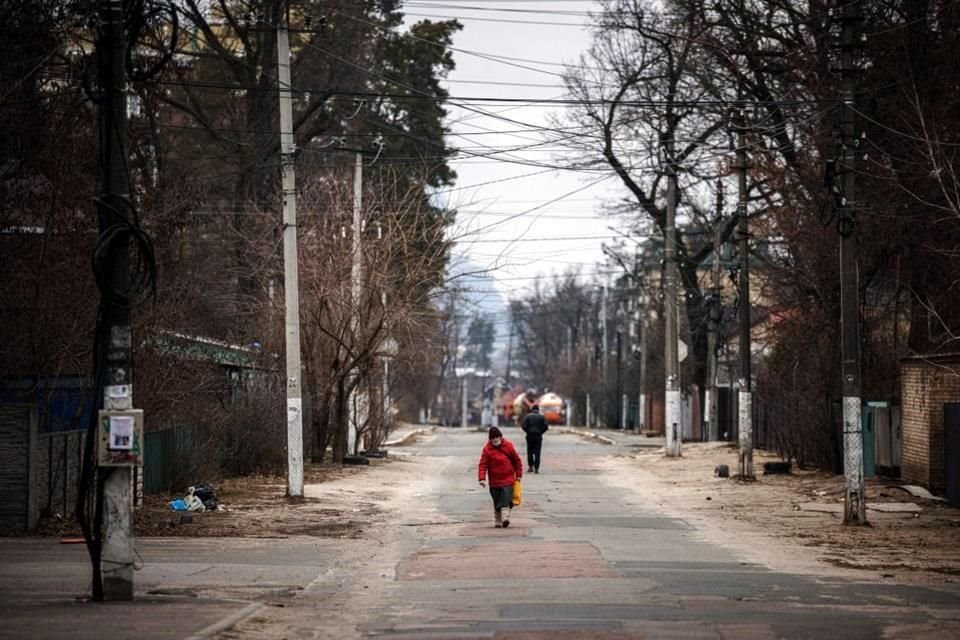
[[186, 588]]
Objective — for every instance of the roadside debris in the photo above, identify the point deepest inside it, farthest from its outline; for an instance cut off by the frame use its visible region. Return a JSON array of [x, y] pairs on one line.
[[200, 498]]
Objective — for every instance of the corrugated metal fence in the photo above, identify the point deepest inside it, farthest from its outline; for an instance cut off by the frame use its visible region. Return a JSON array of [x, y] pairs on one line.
[[173, 459]]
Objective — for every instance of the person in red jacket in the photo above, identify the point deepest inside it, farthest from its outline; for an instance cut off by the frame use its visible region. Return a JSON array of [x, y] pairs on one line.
[[500, 460]]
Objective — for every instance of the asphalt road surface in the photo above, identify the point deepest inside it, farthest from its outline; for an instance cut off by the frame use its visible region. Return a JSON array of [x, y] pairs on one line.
[[588, 555], [581, 559]]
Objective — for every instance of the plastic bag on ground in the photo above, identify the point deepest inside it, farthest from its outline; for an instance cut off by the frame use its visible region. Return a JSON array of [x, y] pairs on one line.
[[193, 502]]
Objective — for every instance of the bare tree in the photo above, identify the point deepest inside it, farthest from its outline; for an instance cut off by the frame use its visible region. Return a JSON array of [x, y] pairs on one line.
[[646, 111], [343, 337]]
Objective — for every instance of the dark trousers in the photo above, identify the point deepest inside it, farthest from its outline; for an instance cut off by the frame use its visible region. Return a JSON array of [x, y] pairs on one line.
[[533, 452]]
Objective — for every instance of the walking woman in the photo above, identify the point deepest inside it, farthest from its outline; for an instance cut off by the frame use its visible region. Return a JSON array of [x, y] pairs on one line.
[[500, 460]]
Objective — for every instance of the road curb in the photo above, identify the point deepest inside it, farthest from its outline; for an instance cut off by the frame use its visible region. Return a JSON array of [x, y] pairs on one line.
[[404, 439], [588, 434], [227, 622]]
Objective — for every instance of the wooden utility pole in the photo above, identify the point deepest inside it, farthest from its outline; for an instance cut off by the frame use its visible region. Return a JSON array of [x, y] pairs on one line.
[[855, 506], [290, 272]]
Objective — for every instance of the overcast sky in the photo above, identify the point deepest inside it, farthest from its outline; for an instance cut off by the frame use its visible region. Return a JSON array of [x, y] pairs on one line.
[[558, 226]]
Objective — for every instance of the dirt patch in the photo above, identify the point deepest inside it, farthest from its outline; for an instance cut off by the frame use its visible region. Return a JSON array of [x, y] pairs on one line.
[[917, 547], [255, 507]]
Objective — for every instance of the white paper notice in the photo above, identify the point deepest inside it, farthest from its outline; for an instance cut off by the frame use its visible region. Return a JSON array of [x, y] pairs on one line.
[[121, 432]]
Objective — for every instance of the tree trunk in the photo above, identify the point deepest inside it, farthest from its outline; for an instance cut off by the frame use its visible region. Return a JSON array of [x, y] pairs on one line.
[[321, 427], [342, 420]]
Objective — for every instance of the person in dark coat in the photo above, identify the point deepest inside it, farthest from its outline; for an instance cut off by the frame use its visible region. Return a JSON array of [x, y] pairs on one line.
[[534, 425], [500, 461]]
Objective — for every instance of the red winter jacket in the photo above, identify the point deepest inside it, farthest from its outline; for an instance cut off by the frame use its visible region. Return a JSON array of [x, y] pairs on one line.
[[502, 462]]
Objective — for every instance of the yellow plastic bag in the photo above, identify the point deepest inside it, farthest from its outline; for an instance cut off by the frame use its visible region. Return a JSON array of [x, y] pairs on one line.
[[517, 493]]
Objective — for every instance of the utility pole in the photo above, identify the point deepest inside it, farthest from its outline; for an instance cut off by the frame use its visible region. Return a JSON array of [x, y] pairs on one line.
[[671, 358], [745, 430], [855, 506], [358, 398], [290, 272], [116, 550], [390, 349], [506, 375], [642, 406], [713, 326], [642, 313], [621, 414], [465, 389], [604, 356]]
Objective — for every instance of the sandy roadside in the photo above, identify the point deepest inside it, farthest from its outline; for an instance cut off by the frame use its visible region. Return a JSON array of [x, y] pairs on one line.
[[793, 522]]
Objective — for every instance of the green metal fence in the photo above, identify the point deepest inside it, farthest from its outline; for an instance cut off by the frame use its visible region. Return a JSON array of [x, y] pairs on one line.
[[173, 459]]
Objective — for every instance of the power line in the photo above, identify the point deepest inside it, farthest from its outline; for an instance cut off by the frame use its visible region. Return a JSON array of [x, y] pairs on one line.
[[544, 239], [490, 182], [505, 84], [540, 206], [463, 101], [543, 23], [462, 7]]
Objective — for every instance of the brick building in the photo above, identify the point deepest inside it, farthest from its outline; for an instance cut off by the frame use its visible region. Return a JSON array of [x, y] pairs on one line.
[[926, 384]]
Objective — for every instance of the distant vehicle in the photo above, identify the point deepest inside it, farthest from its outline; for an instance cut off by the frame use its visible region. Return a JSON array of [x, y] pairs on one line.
[[551, 406], [522, 404]]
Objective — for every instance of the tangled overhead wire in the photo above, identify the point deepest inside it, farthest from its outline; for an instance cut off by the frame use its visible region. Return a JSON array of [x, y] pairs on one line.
[[117, 238], [140, 16], [151, 31]]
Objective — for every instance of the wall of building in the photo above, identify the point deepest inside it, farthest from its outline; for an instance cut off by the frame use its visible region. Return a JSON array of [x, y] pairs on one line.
[[926, 384]]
